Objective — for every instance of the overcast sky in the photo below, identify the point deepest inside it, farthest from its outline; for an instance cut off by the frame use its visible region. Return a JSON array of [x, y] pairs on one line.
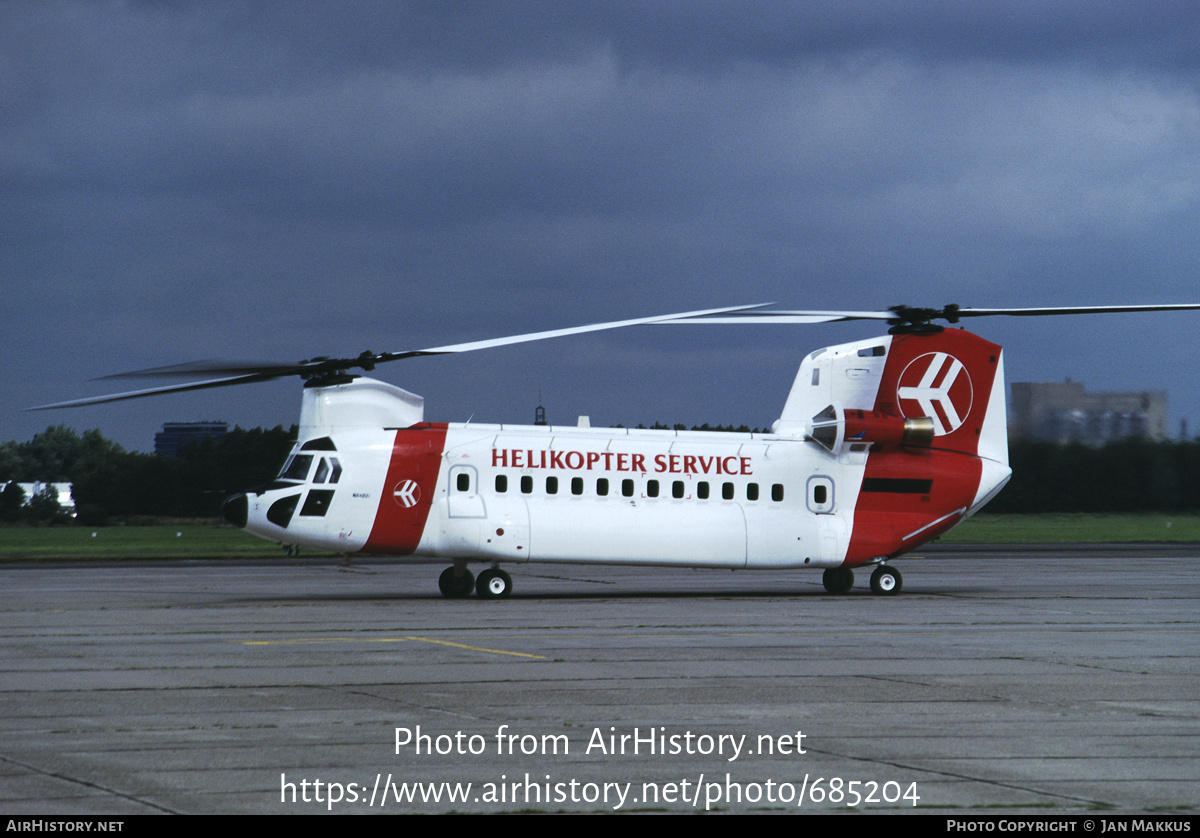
[[192, 180]]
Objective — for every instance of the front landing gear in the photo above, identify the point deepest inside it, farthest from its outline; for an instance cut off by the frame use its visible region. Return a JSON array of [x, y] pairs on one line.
[[493, 583], [456, 582], [838, 580], [886, 581]]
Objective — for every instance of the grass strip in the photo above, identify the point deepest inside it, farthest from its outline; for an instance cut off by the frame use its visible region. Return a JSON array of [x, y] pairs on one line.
[[201, 541]]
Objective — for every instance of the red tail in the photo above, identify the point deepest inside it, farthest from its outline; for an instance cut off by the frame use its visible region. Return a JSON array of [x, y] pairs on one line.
[[911, 494], [950, 377]]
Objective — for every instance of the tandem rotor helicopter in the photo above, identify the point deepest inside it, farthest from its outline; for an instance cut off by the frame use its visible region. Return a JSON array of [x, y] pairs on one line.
[[883, 445]]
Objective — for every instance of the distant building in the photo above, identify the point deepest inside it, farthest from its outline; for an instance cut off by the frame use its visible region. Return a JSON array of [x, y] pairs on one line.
[[177, 436], [1067, 412]]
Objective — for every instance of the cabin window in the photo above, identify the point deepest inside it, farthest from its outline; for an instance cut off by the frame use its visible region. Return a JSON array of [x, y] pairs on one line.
[[602, 486], [727, 491], [652, 488], [526, 484], [627, 487], [501, 483], [552, 485], [751, 491], [677, 489], [577, 485], [463, 482], [820, 494], [702, 490], [777, 492]]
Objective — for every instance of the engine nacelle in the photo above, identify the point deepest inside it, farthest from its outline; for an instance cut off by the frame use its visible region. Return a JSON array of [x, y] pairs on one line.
[[834, 427]]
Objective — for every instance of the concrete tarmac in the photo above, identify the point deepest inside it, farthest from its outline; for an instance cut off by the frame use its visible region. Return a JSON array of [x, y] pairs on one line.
[[1040, 681]]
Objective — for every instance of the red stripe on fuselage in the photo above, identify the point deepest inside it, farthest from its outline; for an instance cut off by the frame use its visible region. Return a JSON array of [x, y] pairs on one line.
[[408, 492], [887, 523]]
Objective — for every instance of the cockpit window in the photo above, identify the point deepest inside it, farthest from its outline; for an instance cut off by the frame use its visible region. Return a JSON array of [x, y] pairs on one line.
[[280, 513], [296, 468], [329, 469], [322, 444]]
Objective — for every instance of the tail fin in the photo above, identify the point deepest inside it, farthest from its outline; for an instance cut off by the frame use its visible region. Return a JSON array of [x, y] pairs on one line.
[[916, 422], [956, 379], [952, 378]]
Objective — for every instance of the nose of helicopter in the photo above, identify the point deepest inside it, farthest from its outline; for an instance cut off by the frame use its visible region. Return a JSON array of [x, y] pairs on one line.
[[235, 510]]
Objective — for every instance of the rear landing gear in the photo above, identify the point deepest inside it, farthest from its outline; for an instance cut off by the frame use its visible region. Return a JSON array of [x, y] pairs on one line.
[[886, 581], [838, 580], [456, 583], [493, 583]]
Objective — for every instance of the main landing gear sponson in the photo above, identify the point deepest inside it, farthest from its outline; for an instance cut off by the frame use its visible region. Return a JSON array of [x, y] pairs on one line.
[[886, 580], [457, 583]]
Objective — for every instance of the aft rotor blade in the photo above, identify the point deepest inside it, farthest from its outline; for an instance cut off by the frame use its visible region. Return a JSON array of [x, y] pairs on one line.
[[908, 314], [782, 317], [471, 346], [1062, 310]]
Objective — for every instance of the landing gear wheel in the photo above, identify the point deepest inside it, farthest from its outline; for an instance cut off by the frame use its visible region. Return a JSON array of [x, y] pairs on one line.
[[886, 581], [493, 583], [838, 580], [456, 585]]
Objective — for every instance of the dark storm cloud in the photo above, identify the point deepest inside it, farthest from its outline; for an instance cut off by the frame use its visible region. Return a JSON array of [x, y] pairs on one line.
[[480, 37], [279, 179]]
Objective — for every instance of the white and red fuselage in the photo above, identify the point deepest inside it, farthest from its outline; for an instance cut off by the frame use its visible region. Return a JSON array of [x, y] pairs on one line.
[[883, 445]]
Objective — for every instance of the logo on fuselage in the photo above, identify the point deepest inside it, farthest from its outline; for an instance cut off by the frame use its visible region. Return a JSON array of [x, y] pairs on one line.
[[407, 493], [936, 385]]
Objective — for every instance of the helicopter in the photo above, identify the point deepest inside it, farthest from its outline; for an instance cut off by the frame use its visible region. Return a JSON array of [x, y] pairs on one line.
[[883, 445]]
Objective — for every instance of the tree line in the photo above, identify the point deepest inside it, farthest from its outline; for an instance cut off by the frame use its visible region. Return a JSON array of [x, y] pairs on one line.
[[112, 484], [1132, 475]]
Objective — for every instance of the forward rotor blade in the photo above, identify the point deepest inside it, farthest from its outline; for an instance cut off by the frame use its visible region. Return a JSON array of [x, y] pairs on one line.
[[248, 372], [211, 367], [158, 391]]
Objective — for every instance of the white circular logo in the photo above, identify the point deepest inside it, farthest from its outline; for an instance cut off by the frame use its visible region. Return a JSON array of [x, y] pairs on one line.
[[936, 385], [407, 493]]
